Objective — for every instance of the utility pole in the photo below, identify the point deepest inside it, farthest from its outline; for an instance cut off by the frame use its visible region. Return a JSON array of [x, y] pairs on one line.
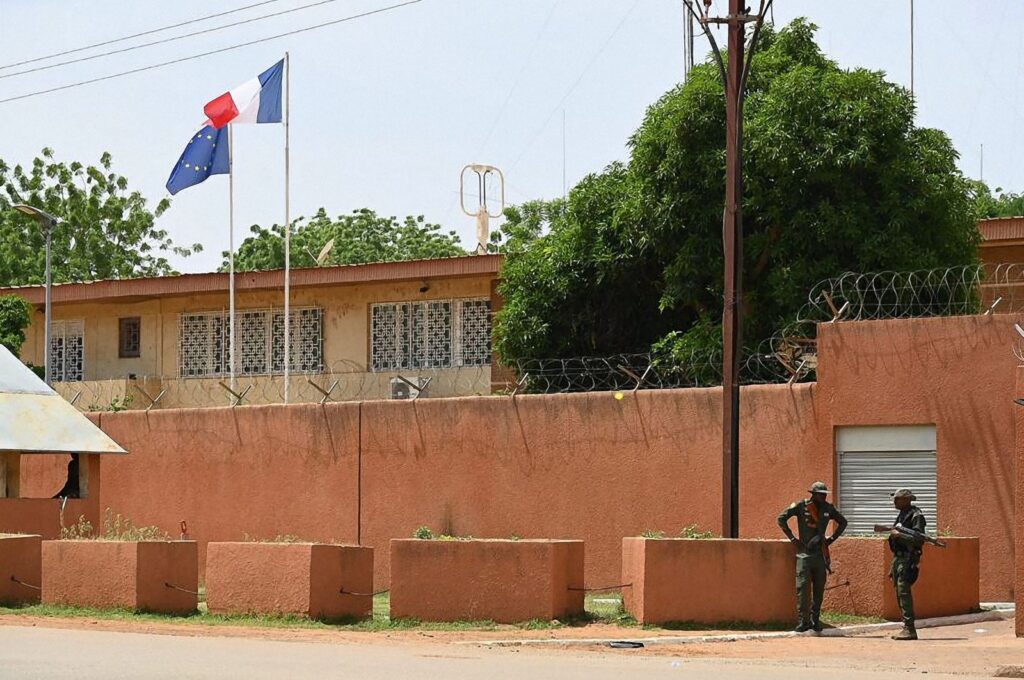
[[734, 76], [687, 44]]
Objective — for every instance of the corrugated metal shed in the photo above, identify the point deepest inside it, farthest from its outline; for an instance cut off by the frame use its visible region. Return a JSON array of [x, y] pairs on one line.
[[35, 419]]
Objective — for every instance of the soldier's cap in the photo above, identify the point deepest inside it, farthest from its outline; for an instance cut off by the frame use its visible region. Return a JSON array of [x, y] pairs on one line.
[[819, 487], [903, 493]]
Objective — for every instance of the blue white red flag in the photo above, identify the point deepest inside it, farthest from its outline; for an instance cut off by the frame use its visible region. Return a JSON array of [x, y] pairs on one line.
[[254, 101], [206, 154]]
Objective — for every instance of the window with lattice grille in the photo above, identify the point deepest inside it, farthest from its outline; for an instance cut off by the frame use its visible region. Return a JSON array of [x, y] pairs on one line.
[[67, 351], [429, 335], [204, 342]]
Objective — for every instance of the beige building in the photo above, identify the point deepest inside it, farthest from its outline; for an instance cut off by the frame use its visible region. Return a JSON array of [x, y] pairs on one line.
[[370, 331]]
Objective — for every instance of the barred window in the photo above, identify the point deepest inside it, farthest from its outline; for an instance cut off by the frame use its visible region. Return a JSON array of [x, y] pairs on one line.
[[475, 328], [306, 344], [431, 334], [67, 351], [204, 343]]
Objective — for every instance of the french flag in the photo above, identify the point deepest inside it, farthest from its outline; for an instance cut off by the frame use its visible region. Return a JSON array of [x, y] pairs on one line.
[[254, 101]]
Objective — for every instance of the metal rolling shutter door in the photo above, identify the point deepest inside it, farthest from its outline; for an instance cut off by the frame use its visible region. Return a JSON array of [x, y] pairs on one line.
[[874, 462]]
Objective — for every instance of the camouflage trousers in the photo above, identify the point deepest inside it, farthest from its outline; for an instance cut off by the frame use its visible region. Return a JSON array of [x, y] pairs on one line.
[[901, 579], [810, 586]]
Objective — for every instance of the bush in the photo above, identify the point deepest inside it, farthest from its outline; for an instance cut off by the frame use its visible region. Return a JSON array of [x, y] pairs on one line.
[[115, 528], [693, 531]]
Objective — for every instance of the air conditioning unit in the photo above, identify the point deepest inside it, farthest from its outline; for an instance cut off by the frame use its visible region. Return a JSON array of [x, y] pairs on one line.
[[409, 388]]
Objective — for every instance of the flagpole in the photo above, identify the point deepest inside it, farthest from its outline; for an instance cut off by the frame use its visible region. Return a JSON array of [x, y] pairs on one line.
[[231, 253], [287, 232]]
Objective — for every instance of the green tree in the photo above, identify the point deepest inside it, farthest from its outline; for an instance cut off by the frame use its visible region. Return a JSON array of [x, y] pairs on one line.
[[106, 230], [837, 178], [362, 236], [15, 315], [997, 203]]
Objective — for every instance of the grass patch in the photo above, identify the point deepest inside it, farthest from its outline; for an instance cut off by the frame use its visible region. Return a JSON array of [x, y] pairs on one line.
[[380, 620], [604, 608], [840, 619]]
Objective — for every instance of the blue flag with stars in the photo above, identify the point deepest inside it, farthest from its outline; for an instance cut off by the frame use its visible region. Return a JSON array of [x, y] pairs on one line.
[[206, 154]]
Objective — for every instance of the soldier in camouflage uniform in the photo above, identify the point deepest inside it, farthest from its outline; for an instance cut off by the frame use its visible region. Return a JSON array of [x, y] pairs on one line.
[[906, 558], [812, 560]]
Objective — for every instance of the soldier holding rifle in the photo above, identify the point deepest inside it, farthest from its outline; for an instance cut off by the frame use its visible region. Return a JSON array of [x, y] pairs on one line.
[[906, 539]]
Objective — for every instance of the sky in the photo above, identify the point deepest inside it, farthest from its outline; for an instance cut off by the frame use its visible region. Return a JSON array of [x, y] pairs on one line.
[[387, 109]]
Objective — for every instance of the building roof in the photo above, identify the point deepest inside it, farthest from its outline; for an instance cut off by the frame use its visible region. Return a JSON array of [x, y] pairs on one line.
[[216, 282], [1001, 229], [35, 419]]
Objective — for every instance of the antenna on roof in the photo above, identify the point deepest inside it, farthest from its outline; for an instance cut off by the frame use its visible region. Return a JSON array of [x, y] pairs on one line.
[[483, 213]]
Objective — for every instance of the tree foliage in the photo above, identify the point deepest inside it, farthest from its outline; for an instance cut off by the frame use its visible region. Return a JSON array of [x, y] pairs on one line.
[[15, 315], [362, 236], [105, 231], [837, 178], [998, 203]]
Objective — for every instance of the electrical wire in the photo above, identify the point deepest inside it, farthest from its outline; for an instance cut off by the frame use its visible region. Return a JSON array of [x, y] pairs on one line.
[[572, 89], [519, 77], [163, 41], [136, 35], [211, 52]]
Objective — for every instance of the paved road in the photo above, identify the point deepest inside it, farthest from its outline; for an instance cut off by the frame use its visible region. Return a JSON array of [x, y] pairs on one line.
[[30, 653]]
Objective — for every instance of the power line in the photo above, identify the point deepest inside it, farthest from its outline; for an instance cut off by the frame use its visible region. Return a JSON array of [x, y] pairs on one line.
[[571, 89], [166, 40], [211, 52], [136, 35], [519, 76]]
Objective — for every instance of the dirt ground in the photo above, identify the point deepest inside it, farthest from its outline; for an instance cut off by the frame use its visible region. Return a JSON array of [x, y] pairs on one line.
[[975, 649], [971, 650]]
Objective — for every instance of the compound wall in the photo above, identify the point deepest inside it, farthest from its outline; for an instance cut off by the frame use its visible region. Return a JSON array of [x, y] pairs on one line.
[[582, 466]]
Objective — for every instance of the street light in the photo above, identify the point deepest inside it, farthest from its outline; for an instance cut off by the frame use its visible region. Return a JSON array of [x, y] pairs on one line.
[[47, 222]]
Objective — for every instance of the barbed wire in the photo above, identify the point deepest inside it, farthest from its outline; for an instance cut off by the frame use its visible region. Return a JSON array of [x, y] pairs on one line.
[[952, 291], [789, 355], [344, 381]]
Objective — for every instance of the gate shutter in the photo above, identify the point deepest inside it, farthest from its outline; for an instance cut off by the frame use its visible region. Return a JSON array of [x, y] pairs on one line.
[[874, 462]]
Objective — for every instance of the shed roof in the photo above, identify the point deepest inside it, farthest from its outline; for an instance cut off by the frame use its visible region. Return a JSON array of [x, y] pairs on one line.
[[35, 419], [270, 279]]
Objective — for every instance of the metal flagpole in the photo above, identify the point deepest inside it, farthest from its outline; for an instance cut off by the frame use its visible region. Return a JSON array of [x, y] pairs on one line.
[[231, 254], [287, 233]]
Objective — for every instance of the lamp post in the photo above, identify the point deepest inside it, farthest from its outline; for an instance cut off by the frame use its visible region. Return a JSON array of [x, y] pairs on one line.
[[47, 222]]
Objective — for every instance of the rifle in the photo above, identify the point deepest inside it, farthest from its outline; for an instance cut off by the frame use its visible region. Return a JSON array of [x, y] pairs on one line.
[[909, 533]]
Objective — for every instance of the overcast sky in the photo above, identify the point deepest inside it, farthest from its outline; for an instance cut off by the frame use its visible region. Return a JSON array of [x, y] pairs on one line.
[[387, 109]]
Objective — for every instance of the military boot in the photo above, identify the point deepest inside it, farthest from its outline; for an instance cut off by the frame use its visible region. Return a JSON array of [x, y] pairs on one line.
[[908, 633], [802, 627]]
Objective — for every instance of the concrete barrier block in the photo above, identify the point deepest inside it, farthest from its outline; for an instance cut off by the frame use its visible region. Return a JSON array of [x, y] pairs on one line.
[[20, 563], [948, 584], [708, 580], [157, 576], [505, 581], [309, 579]]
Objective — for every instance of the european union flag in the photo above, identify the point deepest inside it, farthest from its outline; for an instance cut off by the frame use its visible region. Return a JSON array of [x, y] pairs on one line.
[[206, 154]]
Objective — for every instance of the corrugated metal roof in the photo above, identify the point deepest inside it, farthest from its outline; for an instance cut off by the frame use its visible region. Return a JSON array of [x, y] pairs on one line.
[[1001, 229], [213, 282], [35, 419]]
